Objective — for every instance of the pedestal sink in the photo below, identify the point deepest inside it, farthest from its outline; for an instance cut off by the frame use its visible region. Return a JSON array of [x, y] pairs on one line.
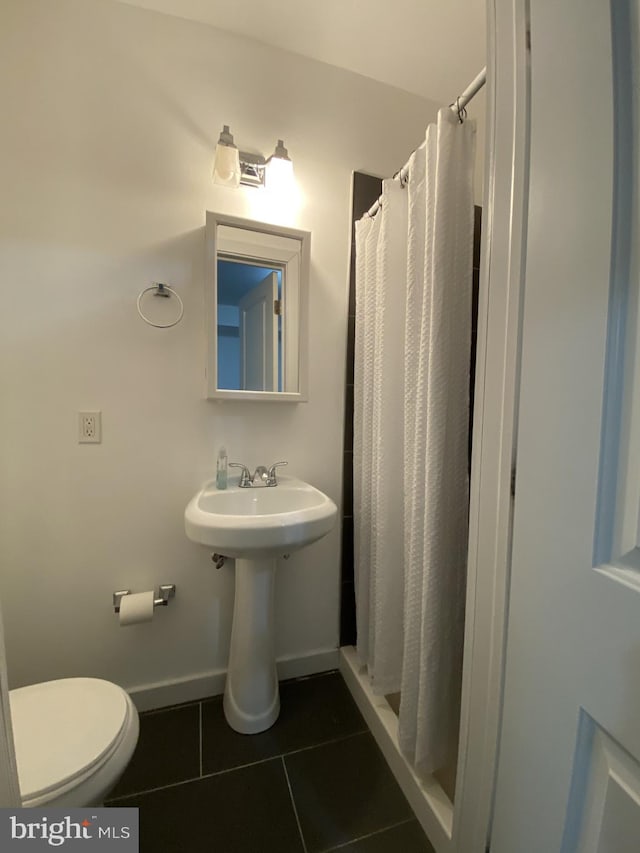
[[255, 526]]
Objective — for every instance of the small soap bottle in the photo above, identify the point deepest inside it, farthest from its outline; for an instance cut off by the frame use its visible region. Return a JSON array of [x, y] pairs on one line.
[[221, 469]]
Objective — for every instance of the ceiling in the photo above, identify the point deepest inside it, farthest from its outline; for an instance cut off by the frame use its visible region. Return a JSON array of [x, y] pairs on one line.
[[432, 48]]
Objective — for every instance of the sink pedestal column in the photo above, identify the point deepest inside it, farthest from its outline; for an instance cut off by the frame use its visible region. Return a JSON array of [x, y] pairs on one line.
[[251, 699]]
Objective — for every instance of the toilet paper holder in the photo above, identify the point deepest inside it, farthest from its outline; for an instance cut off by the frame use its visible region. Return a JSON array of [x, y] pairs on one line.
[[165, 592]]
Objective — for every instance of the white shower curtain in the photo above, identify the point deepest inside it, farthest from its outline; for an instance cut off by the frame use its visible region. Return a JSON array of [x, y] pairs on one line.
[[378, 437], [413, 341]]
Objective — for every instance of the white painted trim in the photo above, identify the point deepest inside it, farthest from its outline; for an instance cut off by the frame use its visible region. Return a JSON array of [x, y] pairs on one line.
[[495, 419], [9, 787], [428, 800], [297, 666], [147, 697]]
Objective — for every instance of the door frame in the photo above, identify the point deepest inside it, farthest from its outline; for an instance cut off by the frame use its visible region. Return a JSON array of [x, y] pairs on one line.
[[9, 786], [503, 251]]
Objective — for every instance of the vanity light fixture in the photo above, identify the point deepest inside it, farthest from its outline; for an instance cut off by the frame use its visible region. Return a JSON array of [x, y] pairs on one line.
[[232, 168]]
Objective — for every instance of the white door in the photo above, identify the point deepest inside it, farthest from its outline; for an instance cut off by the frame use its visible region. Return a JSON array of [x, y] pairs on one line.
[[259, 336], [569, 759]]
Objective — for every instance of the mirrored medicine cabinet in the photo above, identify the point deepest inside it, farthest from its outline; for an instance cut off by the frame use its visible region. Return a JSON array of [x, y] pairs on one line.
[[257, 280]]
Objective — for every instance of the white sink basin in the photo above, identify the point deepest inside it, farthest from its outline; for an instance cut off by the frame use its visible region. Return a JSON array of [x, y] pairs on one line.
[[259, 522]]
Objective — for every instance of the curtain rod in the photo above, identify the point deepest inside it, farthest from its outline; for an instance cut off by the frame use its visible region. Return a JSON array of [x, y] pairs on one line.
[[458, 107]]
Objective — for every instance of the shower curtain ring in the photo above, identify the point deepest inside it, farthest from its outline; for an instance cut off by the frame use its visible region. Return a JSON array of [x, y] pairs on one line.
[[462, 112]]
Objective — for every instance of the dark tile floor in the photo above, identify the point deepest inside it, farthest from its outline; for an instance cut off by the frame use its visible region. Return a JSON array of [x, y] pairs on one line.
[[315, 782]]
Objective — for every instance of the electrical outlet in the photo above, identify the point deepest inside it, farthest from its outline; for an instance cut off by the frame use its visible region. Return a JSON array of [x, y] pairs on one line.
[[89, 427]]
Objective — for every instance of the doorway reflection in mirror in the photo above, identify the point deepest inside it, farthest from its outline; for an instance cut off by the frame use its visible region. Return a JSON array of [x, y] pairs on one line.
[[250, 300]]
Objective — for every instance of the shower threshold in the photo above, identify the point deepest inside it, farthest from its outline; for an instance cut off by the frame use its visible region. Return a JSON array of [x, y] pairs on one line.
[[427, 797]]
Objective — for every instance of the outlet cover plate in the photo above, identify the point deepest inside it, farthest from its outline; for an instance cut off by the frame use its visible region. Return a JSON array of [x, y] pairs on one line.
[[89, 427]]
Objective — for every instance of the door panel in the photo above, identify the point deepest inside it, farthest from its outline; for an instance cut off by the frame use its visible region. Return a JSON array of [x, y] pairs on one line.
[[604, 809], [619, 499], [570, 740], [259, 337]]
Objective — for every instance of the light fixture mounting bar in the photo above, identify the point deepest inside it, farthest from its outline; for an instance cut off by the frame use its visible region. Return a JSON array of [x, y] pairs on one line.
[[252, 169]]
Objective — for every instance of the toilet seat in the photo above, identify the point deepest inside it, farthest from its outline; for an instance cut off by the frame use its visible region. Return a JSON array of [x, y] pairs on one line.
[[65, 732]]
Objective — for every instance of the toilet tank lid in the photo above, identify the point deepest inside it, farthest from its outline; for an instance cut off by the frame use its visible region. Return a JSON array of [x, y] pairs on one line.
[[62, 728]]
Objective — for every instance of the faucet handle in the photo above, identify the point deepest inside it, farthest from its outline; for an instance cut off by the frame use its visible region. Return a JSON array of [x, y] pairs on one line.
[[271, 474], [245, 474]]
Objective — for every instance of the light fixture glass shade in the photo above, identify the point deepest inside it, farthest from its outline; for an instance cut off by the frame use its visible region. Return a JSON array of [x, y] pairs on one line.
[[226, 166], [279, 170]]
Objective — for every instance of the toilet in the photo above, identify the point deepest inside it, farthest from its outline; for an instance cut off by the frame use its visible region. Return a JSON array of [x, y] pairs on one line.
[[73, 739]]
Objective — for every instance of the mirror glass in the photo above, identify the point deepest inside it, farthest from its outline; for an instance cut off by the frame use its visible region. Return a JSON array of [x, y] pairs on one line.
[[256, 310]]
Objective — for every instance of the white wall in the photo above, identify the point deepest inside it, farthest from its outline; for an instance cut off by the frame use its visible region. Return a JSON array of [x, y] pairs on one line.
[[110, 117]]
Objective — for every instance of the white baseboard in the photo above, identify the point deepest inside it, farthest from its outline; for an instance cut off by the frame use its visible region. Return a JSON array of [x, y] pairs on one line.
[[429, 802], [147, 697]]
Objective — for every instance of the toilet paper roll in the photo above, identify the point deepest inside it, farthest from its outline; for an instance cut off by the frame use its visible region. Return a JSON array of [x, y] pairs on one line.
[[136, 607]]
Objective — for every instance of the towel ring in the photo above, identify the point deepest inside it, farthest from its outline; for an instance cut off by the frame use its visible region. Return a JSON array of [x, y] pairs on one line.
[[161, 290]]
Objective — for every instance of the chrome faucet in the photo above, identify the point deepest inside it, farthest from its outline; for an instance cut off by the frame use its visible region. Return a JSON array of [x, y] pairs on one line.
[[265, 476]]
